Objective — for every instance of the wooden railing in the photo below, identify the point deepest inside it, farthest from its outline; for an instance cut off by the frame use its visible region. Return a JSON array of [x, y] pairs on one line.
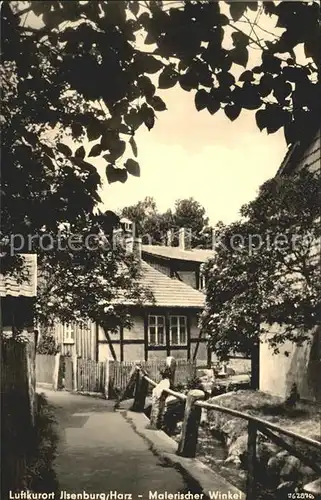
[[192, 416]]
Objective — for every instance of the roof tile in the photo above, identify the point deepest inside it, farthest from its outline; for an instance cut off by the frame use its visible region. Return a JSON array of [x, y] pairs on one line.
[[170, 292], [195, 254], [9, 285]]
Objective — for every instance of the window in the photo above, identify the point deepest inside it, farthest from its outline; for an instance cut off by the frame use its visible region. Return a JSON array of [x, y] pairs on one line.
[[178, 330], [156, 330], [68, 334]]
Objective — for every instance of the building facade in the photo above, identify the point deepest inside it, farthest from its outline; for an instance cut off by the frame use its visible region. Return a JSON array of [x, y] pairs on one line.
[[302, 364]]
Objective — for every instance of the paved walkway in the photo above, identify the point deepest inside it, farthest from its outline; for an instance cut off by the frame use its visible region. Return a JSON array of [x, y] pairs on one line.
[[99, 451]]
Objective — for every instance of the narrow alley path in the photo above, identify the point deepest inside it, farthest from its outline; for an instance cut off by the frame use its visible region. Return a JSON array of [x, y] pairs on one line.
[[99, 451]]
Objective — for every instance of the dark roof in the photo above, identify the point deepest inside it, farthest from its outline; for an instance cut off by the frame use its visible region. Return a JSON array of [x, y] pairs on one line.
[[10, 286], [194, 255], [168, 292], [296, 151]]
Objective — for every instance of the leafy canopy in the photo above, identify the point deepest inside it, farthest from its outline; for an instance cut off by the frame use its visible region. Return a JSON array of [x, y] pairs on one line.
[[153, 225], [265, 276], [84, 69], [91, 277]]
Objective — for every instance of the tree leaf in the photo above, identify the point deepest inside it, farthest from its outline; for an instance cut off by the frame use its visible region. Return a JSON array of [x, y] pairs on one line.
[[266, 85], [150, 39], [225, 79], [48, 151], [223, 20], [260, 117], [95, 150], [144, 19], [246, 76], [249, 96], [239, 55], [116, 174], [232, 111], [148, 116], [84, 165], [132, 167], [122, 175], [65, 150], [257, 70], [133, 7], [281, 88], [201, 99], [157, 103], [270, 63], [76, 129], [189, 81], [312, 49], [237, 10], [146, 86], [134, 119], [149, 64], [31, 138], [94, 130], [80, 153], [213, 105], [109, 137], [240, 39], [252, 5], [133, 144], [275, 118], [167, 79], [117, 149]]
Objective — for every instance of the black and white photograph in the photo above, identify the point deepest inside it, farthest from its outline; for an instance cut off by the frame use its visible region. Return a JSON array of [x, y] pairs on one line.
[[160, 234]]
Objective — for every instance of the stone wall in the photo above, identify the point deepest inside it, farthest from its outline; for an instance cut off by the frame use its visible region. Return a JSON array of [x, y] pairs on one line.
[[301, 367]]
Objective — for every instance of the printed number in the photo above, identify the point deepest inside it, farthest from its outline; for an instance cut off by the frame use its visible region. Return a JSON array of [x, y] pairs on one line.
[[295, 496]]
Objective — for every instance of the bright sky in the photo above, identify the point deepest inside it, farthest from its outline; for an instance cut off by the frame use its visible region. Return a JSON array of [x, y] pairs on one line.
[[190, 153]]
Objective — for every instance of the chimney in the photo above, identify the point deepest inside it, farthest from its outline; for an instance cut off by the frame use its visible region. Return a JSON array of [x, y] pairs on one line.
[[129, 244], [117, 237], [185, 238], [213, 238], [134, 246], [169, 238], [137, 248]]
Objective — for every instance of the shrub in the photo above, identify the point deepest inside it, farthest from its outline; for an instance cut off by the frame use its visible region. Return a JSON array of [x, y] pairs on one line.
[[40, 475], [47, 345]]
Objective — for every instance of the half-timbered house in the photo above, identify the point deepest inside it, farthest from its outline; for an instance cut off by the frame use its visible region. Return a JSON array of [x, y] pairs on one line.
[[165, 325], [182, 262]]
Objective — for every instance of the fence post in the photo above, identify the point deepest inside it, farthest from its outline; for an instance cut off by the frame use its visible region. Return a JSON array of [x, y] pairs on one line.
[[107, 376], [74, 372], [141, 389], [251, 460], [171, 364], [158, 404], [192, 418], [56, 372]]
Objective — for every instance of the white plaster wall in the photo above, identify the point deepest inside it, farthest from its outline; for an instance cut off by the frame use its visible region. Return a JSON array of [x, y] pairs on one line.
[[303, 367]]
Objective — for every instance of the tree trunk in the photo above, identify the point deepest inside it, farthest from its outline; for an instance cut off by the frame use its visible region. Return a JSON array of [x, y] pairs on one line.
[[255, 366]]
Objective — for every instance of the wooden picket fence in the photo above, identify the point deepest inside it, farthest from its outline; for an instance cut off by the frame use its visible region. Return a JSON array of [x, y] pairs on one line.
[[109, 377], [119, 373], [91, 376]]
